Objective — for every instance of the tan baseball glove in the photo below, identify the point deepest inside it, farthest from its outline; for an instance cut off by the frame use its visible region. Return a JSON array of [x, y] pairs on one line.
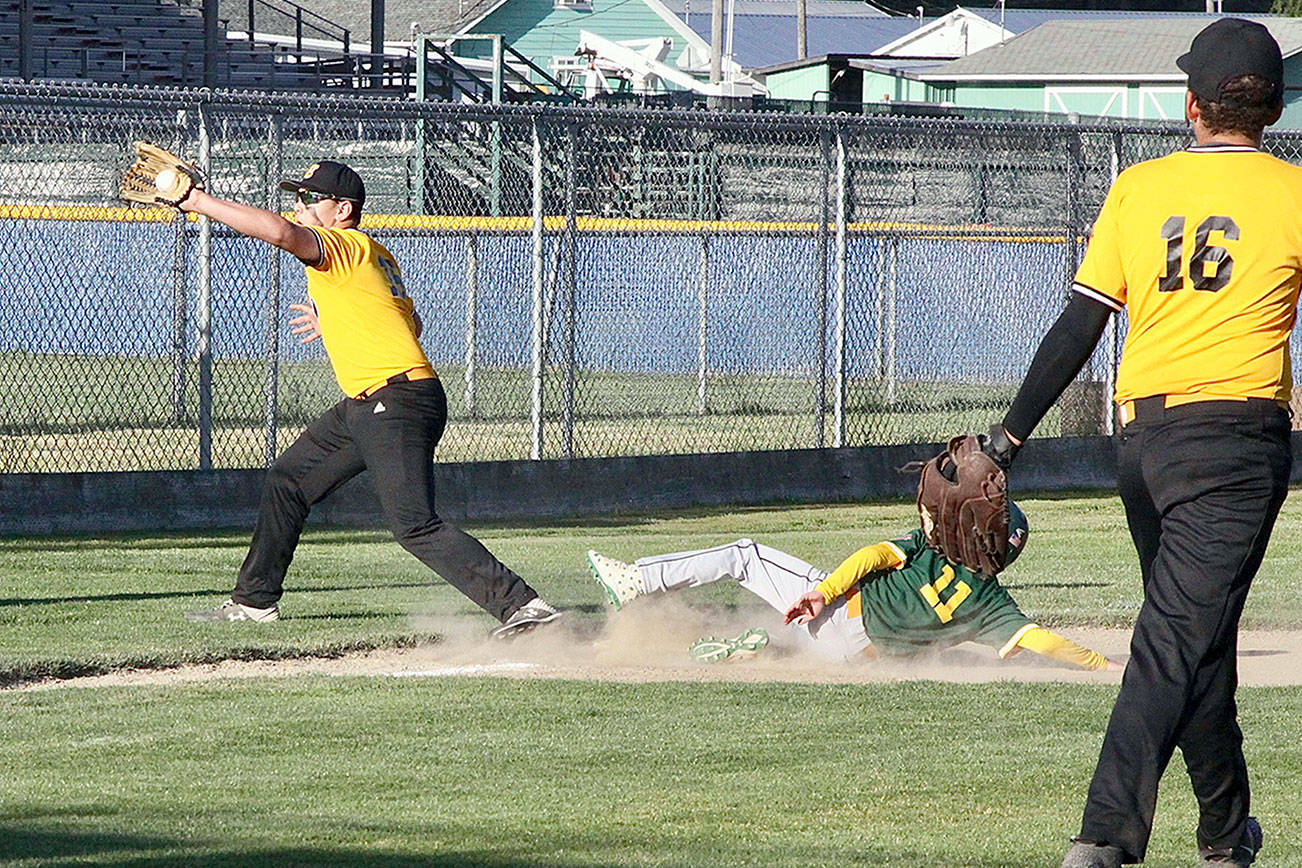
[[159, 177], [963, 504]]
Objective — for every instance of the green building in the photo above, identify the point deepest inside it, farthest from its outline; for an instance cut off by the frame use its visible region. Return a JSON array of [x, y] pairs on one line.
[[1123, 68]]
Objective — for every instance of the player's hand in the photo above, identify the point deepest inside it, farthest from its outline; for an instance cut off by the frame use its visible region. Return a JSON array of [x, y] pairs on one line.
[[192, 201], [1113, 666], [1001, 448], [807, 608], [305, 324]]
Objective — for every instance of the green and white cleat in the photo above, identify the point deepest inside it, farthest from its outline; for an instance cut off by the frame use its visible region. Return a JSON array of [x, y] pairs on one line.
[[714, 650], [622, 581], [710, 650], [751, 641]]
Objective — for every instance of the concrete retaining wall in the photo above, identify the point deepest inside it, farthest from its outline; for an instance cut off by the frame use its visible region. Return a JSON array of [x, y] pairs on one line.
[[513, 490]]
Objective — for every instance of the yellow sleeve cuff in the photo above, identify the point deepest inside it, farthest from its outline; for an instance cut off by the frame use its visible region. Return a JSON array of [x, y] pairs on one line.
[[1050, 644], [869, 559]]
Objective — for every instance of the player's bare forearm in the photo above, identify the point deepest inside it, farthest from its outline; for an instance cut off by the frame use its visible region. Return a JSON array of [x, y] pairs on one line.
[[256, 223]]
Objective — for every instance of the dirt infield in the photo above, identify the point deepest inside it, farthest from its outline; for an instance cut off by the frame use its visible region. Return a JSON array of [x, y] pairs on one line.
[[649, 643]]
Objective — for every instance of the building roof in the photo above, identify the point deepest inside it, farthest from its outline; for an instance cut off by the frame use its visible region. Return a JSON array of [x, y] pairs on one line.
[[764, 31], [787, 9], [1132, 47], [1022, 20]]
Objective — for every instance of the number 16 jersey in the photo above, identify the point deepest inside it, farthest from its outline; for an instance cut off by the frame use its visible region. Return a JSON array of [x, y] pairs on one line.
[[1204, 249]]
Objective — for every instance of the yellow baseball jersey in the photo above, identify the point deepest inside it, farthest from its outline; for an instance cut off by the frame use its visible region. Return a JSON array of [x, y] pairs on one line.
[[1204, 249], [364, 312]]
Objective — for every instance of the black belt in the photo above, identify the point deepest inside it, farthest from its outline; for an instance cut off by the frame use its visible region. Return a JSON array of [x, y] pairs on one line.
[[404, 377], [1154, 408]]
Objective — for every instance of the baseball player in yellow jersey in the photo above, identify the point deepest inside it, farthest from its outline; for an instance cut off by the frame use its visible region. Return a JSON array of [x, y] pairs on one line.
[[1204, 248], [895, 598], [389, 423]]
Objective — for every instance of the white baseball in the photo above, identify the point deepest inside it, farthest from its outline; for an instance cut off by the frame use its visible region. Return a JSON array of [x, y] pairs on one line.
[[168, 181]]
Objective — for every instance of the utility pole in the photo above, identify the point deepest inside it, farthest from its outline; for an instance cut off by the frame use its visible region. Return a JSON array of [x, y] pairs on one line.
[[377, 43], [802, 42], [210, 43], [716, 42], [25, 40]]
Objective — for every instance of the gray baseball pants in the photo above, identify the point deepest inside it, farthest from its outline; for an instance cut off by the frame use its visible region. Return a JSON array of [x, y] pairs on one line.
[[776, 577]]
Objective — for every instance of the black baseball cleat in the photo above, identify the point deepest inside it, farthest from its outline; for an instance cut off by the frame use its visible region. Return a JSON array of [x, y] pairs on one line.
[[233, 611], [1235, 857], [531, 615]]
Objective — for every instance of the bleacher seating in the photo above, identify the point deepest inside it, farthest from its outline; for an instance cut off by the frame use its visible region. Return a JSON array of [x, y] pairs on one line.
[[155, 42]]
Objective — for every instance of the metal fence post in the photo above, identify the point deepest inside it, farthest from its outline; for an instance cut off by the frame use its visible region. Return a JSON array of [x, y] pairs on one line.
[[495, 168], [838, 397], [203, 306], [568, 348], [472, 321], [271, 375], [1078, 405], [702, 324], [820, 345], [892, 290], [495, 135], [1072, 178], [180, 315], [879, 307], [536, 403], [1111, 332], [419, 178]]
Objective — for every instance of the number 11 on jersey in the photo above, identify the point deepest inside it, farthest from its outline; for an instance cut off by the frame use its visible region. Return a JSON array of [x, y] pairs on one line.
[[931, 593]]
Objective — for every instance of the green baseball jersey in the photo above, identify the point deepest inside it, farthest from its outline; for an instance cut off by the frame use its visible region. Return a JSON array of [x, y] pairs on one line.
[[929, 602]]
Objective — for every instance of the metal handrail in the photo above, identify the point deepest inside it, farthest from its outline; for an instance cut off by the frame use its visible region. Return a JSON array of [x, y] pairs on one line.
[[542, 72], [451, 61], [299, 15]]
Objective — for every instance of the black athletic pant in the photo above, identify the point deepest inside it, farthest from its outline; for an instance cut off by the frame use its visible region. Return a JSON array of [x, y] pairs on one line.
[[1202, 485], [392, 434]]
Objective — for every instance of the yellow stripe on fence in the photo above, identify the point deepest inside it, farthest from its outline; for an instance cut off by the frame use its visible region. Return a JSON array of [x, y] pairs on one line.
[[88, 213], [556, 223]]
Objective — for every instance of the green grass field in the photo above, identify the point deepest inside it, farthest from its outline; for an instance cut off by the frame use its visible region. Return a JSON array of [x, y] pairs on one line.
[[448, 771], [105, 413]]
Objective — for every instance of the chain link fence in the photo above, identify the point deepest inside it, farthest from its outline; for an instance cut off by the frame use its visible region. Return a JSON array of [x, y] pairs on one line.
[[594, 282]]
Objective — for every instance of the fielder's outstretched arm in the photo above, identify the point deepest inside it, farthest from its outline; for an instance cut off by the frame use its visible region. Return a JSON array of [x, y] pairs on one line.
[[257, 223]]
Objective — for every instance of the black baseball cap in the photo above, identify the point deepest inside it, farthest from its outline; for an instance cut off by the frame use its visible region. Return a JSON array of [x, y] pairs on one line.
[[1228, 48], [333, 179]]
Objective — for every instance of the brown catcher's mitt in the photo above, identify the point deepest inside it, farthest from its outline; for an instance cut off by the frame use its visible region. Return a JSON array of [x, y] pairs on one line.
[[963, 503], [158, 177]]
